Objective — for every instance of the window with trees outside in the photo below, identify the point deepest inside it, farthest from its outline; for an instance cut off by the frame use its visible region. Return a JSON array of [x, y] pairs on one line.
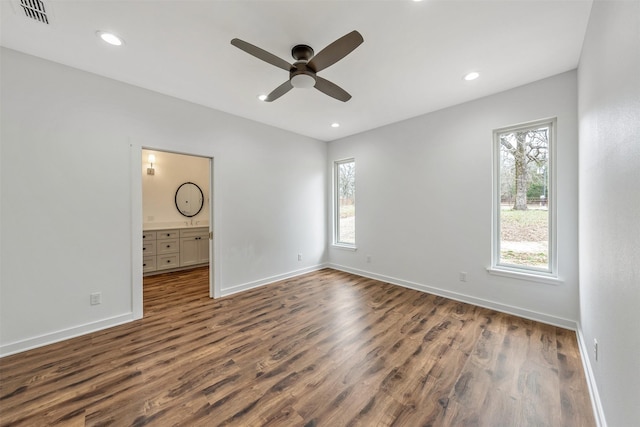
[[524, 237], [345, 202]]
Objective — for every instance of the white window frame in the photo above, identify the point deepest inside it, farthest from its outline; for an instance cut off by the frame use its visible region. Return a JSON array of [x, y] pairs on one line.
[[549, 275], [336, 205]]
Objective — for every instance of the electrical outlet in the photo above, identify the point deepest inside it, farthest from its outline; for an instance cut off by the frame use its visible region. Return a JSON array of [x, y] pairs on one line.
[[299, 257], [463, 276], [369, 259], [96, 298], [595, 349]]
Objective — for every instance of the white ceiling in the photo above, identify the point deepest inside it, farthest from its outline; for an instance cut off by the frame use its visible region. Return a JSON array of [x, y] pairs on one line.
[[412, 60]]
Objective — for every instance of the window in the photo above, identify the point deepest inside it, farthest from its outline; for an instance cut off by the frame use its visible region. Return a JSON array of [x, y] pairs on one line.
[[524, 233], [345, 202]]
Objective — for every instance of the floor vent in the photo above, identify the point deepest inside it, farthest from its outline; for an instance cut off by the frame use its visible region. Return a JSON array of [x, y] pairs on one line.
[[35, 10]]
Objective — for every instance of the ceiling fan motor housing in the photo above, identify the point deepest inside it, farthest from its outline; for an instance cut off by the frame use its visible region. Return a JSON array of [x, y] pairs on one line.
[[302, 52]]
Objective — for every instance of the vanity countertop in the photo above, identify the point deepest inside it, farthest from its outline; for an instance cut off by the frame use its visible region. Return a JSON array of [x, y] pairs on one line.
[[171, 225]]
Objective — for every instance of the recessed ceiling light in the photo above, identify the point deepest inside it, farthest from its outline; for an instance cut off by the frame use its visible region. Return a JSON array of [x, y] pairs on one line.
[[335, 125], [110, 38], [262, 97], [472, 76]]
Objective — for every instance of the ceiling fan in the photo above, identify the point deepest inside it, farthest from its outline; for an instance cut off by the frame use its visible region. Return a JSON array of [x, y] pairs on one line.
[[302, 73]]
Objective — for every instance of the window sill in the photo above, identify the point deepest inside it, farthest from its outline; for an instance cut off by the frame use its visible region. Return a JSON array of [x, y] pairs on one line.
[[521, 275], [344, 247]]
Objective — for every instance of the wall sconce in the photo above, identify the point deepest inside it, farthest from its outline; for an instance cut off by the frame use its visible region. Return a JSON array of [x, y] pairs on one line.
[[151, 170]]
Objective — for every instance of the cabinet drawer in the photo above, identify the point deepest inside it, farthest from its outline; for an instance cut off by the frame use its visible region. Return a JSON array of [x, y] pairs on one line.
[[149, 248], [148, 235], [167, 234], [167, 261], [148, 263], [167, 246], [195, 232]]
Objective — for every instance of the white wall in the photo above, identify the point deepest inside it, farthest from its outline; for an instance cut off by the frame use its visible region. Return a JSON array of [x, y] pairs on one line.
[[424, 199], [69, 184], [158, 190], [609, 111]]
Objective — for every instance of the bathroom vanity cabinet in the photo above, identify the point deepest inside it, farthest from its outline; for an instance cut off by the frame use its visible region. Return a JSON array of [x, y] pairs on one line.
[[194, 246], [174, 248]]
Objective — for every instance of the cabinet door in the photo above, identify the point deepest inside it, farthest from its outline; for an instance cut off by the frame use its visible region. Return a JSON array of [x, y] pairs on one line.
[[189, 251], [194, 250], [203, 249]]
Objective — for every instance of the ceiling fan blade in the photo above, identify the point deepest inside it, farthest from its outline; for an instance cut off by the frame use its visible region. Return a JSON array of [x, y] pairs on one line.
[[261, 54], [279, 91], [336, 51], [332, 89]]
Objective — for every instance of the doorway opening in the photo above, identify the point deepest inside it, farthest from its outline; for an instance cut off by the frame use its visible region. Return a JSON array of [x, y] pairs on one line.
[[177, 216]]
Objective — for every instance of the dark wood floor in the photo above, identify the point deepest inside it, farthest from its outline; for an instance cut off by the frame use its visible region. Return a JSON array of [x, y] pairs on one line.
[[323, 349]]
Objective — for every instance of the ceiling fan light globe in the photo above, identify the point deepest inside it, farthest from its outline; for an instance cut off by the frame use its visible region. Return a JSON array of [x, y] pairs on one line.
[[303, 81]]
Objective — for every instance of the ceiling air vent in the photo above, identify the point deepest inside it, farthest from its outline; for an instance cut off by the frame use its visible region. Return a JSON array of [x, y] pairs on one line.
[[34, 9]]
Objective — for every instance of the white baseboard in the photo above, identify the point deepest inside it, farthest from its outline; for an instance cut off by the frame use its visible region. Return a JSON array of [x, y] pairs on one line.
[[262, 282], [493, 305], [598, 411], [65, 334]]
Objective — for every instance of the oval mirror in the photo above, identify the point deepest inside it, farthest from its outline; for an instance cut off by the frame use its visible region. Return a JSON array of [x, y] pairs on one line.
[[189, 199]]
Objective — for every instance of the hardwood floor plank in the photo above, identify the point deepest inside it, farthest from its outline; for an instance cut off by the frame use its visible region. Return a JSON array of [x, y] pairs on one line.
[[323, 349]]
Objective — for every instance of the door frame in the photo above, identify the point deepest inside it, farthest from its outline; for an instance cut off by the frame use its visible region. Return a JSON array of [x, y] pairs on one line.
[[137, 225]]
